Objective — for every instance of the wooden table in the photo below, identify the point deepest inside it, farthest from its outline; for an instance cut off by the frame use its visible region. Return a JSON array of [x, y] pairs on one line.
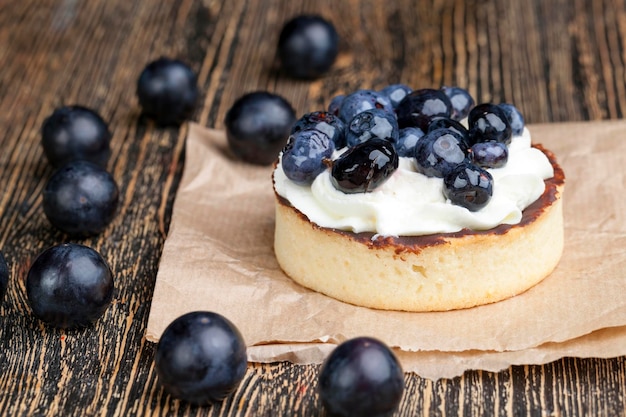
[[557, 60]]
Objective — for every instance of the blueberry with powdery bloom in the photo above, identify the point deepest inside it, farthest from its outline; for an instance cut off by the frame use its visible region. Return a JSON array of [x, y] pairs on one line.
[[515, 118], [447, 123], [461, 100], [335, 104], [362, 100], [396, 93], [489, 154], [325, 122], [305, 155], [423, 106], [370, 124], [440, 151], [407, 141]]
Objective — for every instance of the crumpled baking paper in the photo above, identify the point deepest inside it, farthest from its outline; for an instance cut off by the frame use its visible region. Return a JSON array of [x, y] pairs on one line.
[[218, 256]]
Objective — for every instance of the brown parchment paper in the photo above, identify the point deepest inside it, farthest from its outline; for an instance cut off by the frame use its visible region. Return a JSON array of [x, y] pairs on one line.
[[218, 256]]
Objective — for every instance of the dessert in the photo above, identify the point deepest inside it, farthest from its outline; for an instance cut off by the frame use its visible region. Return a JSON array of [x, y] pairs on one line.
[[474, 216]]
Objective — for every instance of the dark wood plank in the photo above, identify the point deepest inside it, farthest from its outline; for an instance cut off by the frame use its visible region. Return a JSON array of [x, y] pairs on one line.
[[557, 61]]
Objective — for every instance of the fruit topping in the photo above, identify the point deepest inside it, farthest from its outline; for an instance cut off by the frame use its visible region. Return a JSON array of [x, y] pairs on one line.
[[75, 133], [80, 198], [325, 122], [168, 91], [396, 93], [440, 151], [364, 166], [201, 358], [4, 276], [422, 106], [488, 122], [307, 46], [369, 124], [447, 123], [515, 118], [258, 126], [469, 186], [407, 141], [360, 101], [489, 154], [304, 156], [69, 285], [361, 377], [461, 100]]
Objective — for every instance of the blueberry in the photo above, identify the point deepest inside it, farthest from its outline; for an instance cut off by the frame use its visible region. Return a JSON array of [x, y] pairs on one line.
[[461, 100], [75, 133], [69, 285], [308, 46], [168, 91], [305, 154], [515, 118], [469, 186], [444, 122], [258, 125], [361, 377], [396, 93], [489, 154], [325, 122], [407, 141], [374, 123], [364, 166], [80, 198], [362, 100], [439, 151], [488, 122], [4, 276], [421, 107], [201, 358], [335, 104]]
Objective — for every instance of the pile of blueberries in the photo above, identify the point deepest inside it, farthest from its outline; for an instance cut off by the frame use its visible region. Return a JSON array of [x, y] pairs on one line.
[[378, 127]]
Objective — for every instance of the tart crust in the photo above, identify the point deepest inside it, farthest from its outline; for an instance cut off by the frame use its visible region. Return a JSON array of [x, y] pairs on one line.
[[425, 273]]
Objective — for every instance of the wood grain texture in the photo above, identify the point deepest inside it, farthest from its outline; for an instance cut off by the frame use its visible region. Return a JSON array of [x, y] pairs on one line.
[[557, 60]]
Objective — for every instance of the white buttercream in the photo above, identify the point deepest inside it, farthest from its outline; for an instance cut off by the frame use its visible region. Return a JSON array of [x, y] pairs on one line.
[[410, 203]]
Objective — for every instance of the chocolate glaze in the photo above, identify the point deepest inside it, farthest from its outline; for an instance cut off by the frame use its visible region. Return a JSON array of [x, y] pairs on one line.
[[417, 243]]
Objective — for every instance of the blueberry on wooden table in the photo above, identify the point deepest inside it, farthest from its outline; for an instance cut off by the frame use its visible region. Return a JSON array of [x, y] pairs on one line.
[[258, 126], [168, 91], [308, 46], [201, 358], [80, 198], [4, 276], [361, 378], [75, 133], [69, 285]]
